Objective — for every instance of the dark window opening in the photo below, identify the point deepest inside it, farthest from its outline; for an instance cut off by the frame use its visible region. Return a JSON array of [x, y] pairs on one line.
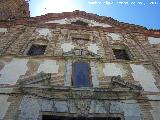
[[80, 39], [24, 12], [121, 54], [52, 117], [37, 50], [81, 74], [79, 22]]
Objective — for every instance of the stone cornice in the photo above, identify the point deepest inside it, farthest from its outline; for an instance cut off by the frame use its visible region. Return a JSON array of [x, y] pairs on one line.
[[117, 26], [39, 85], [103, 60]]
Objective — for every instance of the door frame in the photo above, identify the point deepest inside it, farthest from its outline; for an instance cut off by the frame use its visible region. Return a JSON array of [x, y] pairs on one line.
[[91, 115]]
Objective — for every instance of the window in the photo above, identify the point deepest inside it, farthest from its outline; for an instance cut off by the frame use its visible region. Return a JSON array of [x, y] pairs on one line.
[[121, 54], [79, 22], [81, 74], [37, 50]]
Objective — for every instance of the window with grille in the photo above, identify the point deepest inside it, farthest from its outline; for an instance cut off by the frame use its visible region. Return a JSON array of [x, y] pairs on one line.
[[37, 50]]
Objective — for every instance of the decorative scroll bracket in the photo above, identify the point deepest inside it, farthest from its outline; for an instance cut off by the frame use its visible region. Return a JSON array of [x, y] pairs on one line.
[[40, 77], [117, 80]]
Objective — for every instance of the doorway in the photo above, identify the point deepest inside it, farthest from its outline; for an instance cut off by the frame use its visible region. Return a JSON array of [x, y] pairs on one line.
[[53, 117]]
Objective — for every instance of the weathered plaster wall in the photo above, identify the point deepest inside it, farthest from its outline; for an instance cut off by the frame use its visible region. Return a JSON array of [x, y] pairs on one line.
[[90, 22], [67, 47], [93, 48], [99, 24], [153, 40], [154, 97], [5, 90], [145, 77], [114, 69], [114, 36], [4, 61], [44, 31], [12, 71], [132, 111], [31, 107], [3, 105], [48, 66], [61, 21], [155, 109], [3, 30], [68, 21]]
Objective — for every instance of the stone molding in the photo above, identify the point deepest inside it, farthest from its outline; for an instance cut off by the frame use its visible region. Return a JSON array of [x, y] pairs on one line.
[[117, 26]]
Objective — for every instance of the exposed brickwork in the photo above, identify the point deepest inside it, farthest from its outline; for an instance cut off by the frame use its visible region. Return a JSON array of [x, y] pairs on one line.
[[23, 32], [11, 9], [12, 111], [145, 108]]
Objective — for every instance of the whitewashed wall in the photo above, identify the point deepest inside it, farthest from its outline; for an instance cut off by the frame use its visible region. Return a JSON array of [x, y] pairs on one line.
[[114, 36], [3, 30], [66, 47], [153, 40], [48, 66], [93, 48], [12, 71], [68, 21], [114, 69], [145, 77], [44, 31], [3, 105], [156, 110]]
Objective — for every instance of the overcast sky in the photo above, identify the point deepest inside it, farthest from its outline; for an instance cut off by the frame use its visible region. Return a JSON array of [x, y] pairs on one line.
[[141, 12]]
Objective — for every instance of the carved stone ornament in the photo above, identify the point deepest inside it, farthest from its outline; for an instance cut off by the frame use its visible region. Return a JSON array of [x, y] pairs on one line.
[[82, 106], [80, 101], [81, 42], [83, 94], [81, 52], [117, 80], [40, 77]]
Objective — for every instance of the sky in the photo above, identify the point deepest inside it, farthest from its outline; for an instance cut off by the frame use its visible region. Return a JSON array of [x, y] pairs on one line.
[[140, 12]]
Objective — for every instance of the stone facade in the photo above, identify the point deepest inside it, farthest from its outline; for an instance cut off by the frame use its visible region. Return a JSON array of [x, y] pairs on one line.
[[34, 86], [13, 9]]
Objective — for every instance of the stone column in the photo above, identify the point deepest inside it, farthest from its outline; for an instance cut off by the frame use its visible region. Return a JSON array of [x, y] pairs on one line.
[[94, 75], [67, 81]]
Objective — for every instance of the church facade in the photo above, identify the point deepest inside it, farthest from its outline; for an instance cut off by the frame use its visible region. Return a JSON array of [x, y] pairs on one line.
[[76, 66]]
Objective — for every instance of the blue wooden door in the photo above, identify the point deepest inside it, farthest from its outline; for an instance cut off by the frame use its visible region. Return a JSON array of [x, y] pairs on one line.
[[81, 74]]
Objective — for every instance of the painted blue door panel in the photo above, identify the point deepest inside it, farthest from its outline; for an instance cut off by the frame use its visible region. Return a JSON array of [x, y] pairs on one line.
[[81, 75]]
